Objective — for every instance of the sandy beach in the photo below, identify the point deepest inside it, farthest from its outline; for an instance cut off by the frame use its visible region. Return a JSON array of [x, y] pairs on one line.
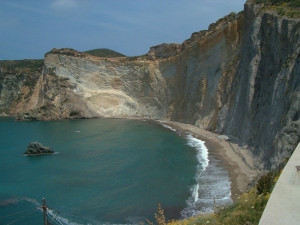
[[238, 161]]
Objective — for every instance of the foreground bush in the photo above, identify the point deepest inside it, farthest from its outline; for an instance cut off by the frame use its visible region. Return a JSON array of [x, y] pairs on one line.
[[246, 210]]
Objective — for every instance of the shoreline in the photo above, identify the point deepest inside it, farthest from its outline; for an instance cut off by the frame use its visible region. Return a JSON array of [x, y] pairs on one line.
[[236, 160]]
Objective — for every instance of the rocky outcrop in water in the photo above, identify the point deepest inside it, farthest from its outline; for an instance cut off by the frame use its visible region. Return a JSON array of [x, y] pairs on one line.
[[239, 78], [35, 148]]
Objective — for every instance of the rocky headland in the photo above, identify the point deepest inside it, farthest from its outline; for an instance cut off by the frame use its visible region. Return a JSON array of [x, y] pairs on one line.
[[239, 78]]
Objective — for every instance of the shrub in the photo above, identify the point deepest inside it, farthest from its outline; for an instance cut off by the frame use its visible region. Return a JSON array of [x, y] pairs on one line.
[[289, 8], [265, 184], [30, 64]]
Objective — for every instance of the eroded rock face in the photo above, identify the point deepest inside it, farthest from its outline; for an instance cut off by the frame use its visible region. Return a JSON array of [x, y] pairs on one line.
[[112, 87], [164, 51], [239, 78], [17, 85], [264, 102], [55, 99], [35, 148]]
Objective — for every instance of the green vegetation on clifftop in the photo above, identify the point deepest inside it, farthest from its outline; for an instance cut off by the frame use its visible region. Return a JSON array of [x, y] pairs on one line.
[[29, 64], [26, 71], [104, 52], [65, 51], [289, 8]]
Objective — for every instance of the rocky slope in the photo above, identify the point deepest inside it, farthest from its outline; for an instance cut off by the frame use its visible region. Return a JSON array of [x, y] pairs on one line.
[[240, 78], [17, 82]]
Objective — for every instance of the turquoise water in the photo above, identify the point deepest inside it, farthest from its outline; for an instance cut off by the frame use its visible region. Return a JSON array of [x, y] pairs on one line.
[[105, 171]]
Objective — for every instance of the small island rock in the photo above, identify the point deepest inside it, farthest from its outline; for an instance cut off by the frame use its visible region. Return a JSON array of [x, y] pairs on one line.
[[35, 148]]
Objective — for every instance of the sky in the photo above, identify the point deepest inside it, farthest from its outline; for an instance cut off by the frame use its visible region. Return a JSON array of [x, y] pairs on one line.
[[30, 28]]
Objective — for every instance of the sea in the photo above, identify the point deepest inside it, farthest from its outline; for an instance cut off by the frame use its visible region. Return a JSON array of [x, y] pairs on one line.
[[105, 171]]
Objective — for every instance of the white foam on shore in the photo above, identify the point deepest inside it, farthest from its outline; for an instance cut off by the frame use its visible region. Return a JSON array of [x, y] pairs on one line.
[[202, 157], [168, 127], [202, 151], [195, 192], [212, 183]]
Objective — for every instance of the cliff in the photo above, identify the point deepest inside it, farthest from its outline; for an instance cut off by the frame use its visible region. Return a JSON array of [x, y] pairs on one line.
[[17, 82], [240, 78]]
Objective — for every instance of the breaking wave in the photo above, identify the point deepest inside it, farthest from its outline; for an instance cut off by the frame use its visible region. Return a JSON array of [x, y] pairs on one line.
[[202, 152], [212, 182], [168, 127]]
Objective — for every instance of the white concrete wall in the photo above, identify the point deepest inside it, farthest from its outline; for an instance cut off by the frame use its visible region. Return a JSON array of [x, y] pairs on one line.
[[283, 207]]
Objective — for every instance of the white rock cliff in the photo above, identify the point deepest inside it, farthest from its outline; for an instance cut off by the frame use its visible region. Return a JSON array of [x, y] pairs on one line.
[[241, 78]]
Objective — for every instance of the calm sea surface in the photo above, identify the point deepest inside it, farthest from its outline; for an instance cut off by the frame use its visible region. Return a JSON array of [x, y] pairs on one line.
[[106, 171]]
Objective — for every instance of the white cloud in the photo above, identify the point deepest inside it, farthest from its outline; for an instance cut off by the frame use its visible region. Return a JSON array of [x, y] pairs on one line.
[[64, 4]]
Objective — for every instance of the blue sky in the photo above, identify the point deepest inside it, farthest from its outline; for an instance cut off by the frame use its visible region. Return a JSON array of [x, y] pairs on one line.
[[30, 28]]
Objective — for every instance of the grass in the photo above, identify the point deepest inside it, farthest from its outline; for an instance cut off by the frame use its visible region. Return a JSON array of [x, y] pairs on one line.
[[104, 52], [289, 8], [246, 210], [30, 64]]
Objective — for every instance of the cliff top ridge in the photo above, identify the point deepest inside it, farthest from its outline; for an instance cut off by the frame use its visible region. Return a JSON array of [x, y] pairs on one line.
[[105, 53], [287, 8], [102, 53]]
